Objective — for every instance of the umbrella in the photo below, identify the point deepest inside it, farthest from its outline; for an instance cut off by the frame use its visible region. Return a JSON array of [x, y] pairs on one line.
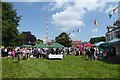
[[88, 45], [80, 46], [40, 45], [56, 45]]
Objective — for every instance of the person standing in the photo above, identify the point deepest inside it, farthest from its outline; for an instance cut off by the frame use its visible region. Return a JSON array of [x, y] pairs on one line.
[[6, 51], [13, 54], [28, 54], [96, 53], [19, 55], [9, 55], [92, 53]]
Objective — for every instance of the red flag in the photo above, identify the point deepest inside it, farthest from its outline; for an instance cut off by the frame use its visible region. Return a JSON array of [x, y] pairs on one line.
[[95, 22], [114, 10]]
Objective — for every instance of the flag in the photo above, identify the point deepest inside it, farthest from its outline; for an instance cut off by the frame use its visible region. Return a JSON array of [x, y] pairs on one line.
[[95, 22], [110, 15], [78, 30], [114, 10]]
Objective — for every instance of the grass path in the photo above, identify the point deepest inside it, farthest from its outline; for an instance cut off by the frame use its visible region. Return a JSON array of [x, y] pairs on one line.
[[69, 67]]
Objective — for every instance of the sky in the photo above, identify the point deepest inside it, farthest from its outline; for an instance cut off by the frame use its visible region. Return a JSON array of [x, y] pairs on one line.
[[66, 16]]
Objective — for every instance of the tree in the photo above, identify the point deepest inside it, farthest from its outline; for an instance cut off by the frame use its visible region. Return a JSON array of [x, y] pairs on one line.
[[10, 22], [38, 41], [97, 39], [0, 23], [29, 38], [64, 39], [20, 39]]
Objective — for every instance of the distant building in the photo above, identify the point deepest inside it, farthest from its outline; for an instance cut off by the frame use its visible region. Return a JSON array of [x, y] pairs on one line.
[[75, 43], [113, 33]]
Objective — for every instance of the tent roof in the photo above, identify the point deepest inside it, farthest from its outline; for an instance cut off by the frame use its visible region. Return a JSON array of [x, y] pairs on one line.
[[88, 45], [56, 45], [98, 44], [114, 40], [40, 45]]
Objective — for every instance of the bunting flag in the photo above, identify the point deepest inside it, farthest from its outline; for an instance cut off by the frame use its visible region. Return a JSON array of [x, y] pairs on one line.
[[114, 10], [78, 30], [110, 15], [95, 22]]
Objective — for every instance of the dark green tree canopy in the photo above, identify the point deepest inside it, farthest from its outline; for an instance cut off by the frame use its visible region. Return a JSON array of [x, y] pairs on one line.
[[38, 41], [97, 39], [10, 22], [29, 38], [64, 39]]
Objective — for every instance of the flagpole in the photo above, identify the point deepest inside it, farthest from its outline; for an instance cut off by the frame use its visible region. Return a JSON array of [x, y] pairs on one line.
[[46, 26]]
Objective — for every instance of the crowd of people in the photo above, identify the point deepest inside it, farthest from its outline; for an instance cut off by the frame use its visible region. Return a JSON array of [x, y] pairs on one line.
[[92, 53], [26, 53]]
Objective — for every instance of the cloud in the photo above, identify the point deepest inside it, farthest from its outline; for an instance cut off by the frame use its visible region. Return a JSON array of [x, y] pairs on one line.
[[73, 14], [57, 5], [73, 36], [58, 0], [94, 36], [95, 30], [110, 8], [44, 40]]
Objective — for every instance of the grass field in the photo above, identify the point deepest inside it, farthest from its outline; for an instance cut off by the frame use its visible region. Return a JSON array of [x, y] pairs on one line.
[[69, 67]]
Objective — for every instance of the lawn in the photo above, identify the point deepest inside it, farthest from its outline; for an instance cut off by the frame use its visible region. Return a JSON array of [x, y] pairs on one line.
[[69, 67]]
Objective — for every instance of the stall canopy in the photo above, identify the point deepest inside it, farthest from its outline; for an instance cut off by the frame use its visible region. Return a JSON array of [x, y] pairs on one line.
[[56, 45], [88, 45], [105, 44], [98, 44], [40, 45], [115, 40]]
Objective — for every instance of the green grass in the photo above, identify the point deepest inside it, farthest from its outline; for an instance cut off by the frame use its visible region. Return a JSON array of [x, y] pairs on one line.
[[69, 67]]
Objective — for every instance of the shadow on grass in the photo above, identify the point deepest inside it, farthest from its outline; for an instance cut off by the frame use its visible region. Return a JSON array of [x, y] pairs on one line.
[[115, 60]]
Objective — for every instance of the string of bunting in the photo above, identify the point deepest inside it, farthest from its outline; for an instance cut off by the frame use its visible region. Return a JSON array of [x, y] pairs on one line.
[[96, 23]]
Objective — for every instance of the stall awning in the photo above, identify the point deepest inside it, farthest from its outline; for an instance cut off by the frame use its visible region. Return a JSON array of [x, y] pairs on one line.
[[115, 40], [40, 45], [56, 45]]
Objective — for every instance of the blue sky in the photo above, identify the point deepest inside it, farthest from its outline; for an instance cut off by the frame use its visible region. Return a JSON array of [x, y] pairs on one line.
[[66, 17]]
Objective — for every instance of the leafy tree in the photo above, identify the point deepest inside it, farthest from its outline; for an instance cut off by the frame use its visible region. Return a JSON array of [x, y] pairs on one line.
[[97, 39], [0, 23], [64, 39], [10, 22], [38, 41], [29, 38], [20, 39]]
